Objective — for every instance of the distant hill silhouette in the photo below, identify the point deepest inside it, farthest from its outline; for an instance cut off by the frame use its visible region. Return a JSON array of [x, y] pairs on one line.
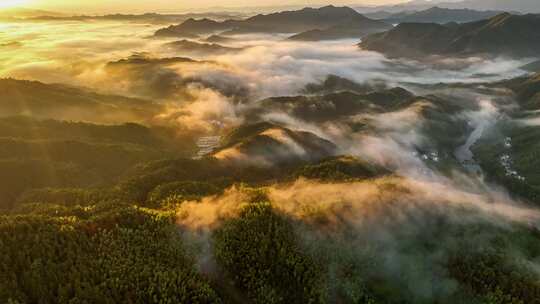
[[523, 6], [504, 34], [152, 18], [24, 13], [355, 28], [198, 47], [218, 39], [442, 15], [334, 21]]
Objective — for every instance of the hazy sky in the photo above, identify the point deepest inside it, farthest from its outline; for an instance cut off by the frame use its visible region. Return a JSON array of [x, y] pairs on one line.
[[171, 5]]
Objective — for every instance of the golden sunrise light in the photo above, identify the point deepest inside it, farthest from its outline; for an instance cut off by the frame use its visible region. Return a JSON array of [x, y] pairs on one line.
[[112, 6], [270, 151], [12, 3]]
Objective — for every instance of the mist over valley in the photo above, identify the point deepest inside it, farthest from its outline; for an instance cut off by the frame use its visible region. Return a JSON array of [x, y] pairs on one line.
[[334, 154]]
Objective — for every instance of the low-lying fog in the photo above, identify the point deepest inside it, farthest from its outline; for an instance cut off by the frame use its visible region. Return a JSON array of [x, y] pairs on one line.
[[266, 65], [221, 84], [217, 84]]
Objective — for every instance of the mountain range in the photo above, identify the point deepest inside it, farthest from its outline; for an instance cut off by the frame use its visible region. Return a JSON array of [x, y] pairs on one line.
[[523, 6], [441, 15], [281, 172], [13, 13], [329, 22], [504, 34], [22, 14]]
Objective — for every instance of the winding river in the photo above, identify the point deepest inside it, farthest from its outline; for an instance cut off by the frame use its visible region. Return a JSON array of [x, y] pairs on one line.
[[464, 154]]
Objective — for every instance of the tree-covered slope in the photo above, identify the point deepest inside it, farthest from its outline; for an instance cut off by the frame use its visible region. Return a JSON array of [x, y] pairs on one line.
[[501, 35]]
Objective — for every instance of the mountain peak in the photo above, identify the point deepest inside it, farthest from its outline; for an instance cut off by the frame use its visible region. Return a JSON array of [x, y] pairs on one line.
[[203, 20], [328, 7], [337, 8], [341, 21], [499, 19]]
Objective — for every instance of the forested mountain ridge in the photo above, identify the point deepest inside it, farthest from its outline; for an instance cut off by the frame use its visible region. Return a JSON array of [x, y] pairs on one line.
[[441, 15], [502, 35], [41, 100], [329, 18], [269, 159]]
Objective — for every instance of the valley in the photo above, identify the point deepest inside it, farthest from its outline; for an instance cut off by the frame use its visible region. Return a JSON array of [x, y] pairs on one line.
[[332, 154]]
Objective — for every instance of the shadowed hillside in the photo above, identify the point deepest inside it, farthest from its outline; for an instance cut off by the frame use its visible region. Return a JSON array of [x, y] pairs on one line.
[[504, 34], [51, 101], [335, 22]]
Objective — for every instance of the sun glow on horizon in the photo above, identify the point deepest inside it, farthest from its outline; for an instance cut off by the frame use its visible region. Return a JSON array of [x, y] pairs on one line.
[[140, 6], [11, 3]]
